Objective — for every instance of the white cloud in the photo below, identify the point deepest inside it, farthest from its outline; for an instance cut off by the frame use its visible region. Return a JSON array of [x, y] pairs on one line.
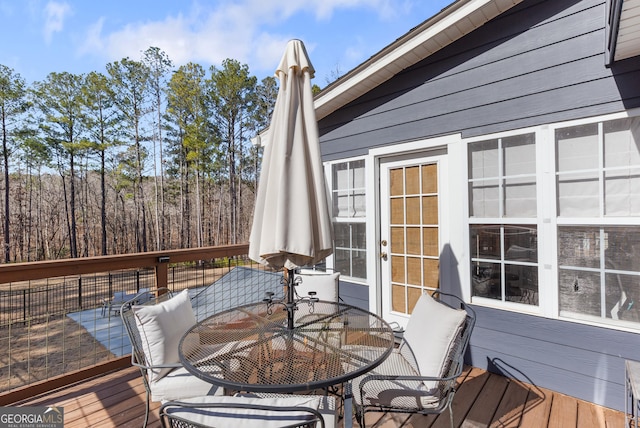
[[54, 16], [93, 39], [249, 31]]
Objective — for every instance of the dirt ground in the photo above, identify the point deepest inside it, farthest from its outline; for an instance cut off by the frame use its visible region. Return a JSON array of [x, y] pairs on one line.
[[38, 350]]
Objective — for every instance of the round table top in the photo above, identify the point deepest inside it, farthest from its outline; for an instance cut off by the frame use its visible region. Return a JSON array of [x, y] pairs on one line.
[[250, 348]]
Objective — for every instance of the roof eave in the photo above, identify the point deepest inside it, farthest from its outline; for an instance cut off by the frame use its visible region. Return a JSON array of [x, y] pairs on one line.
[[450, 24]]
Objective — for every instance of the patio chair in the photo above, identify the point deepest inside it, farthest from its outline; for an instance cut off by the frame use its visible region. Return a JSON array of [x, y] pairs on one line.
[[321, 285], [420, 376], [143, 296], [155, 329], [115, 303], [325, 285], [247, 411]]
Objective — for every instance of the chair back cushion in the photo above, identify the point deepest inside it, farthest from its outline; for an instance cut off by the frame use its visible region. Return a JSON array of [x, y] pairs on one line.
[[430, 335], [325, 284], [161, 327]]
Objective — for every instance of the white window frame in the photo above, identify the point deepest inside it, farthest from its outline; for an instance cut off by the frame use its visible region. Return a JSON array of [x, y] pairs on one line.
[[328, 169], [514, 306], [547, 221]]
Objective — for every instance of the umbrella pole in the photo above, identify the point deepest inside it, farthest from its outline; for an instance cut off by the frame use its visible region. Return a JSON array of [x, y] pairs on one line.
[[290, 304]]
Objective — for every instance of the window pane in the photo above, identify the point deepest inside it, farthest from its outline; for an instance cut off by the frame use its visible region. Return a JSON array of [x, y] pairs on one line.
[[340, 204], [519, 154], [579, 246], [511, 176], [621, 297], [350, 253], [622, 143], [521, 243], [520, 197], [340, 176], [622, 250], [578, 195], [622, 192], [519, 281], [577, 148], [341, 234], [598, 274], [484, 198], [359, 264], [359, 235], [485, 279], [342, 262], [358, 173], [483, 159], [485, 242], [348, 189], [579, 292], [359, 204], [622, 153], [522, 284]]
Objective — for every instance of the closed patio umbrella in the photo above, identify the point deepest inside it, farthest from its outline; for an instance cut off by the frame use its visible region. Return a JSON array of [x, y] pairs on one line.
[[291, 222]]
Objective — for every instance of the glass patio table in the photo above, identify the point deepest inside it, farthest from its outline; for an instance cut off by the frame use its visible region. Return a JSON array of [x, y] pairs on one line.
[[251, 348]]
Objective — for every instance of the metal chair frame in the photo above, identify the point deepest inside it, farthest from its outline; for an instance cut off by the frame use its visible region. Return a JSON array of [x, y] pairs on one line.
[[446, 384], [137, 351], [172, 421]]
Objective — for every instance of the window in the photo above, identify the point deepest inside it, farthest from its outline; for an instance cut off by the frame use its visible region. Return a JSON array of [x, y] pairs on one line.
[[586, 216], [349, 218], [503, 228], [598, 206]]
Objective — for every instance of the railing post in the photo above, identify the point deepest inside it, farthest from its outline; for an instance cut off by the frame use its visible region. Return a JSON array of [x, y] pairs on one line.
[[162, 273], [24, 305]]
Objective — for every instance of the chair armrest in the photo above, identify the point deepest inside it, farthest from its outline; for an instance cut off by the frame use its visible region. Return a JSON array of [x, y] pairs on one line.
[[416, 378], [156, 366]]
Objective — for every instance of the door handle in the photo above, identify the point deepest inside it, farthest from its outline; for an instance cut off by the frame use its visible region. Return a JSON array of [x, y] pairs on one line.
[[383, 256]]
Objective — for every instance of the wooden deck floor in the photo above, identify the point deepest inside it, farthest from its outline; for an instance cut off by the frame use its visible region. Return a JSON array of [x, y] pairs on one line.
[[483, 399]]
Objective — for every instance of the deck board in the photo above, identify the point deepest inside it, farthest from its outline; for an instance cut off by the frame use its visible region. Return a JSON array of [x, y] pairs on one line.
[[509, 410], [564, 411], [483, 399]]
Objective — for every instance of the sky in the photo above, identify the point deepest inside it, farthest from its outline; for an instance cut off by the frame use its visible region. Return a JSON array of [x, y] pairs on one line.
[[38, 37]]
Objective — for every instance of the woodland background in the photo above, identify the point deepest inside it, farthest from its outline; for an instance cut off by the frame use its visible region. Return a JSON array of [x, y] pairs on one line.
[[145, 157]]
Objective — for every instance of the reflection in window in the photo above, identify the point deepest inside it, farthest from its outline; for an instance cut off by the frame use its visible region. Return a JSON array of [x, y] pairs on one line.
[[504, 263], [598, 178], [598, 272]]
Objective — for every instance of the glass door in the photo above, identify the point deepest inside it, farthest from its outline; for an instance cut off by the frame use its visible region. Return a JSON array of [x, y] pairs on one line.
[[411, 233]]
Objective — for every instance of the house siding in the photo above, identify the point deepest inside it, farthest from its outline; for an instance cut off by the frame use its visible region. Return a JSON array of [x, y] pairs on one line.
[[540, 62]]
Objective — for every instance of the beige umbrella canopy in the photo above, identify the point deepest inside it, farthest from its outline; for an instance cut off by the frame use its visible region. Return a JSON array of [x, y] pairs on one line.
[[291, 222]]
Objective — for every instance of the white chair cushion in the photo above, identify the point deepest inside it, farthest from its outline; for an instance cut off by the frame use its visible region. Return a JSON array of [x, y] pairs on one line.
[[179, 384], [228, 417], [325, 284], [161, 326], [430, 334]]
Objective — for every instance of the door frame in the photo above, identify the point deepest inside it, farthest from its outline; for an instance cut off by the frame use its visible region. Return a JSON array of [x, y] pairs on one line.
[[439, 146], [439, 158]]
